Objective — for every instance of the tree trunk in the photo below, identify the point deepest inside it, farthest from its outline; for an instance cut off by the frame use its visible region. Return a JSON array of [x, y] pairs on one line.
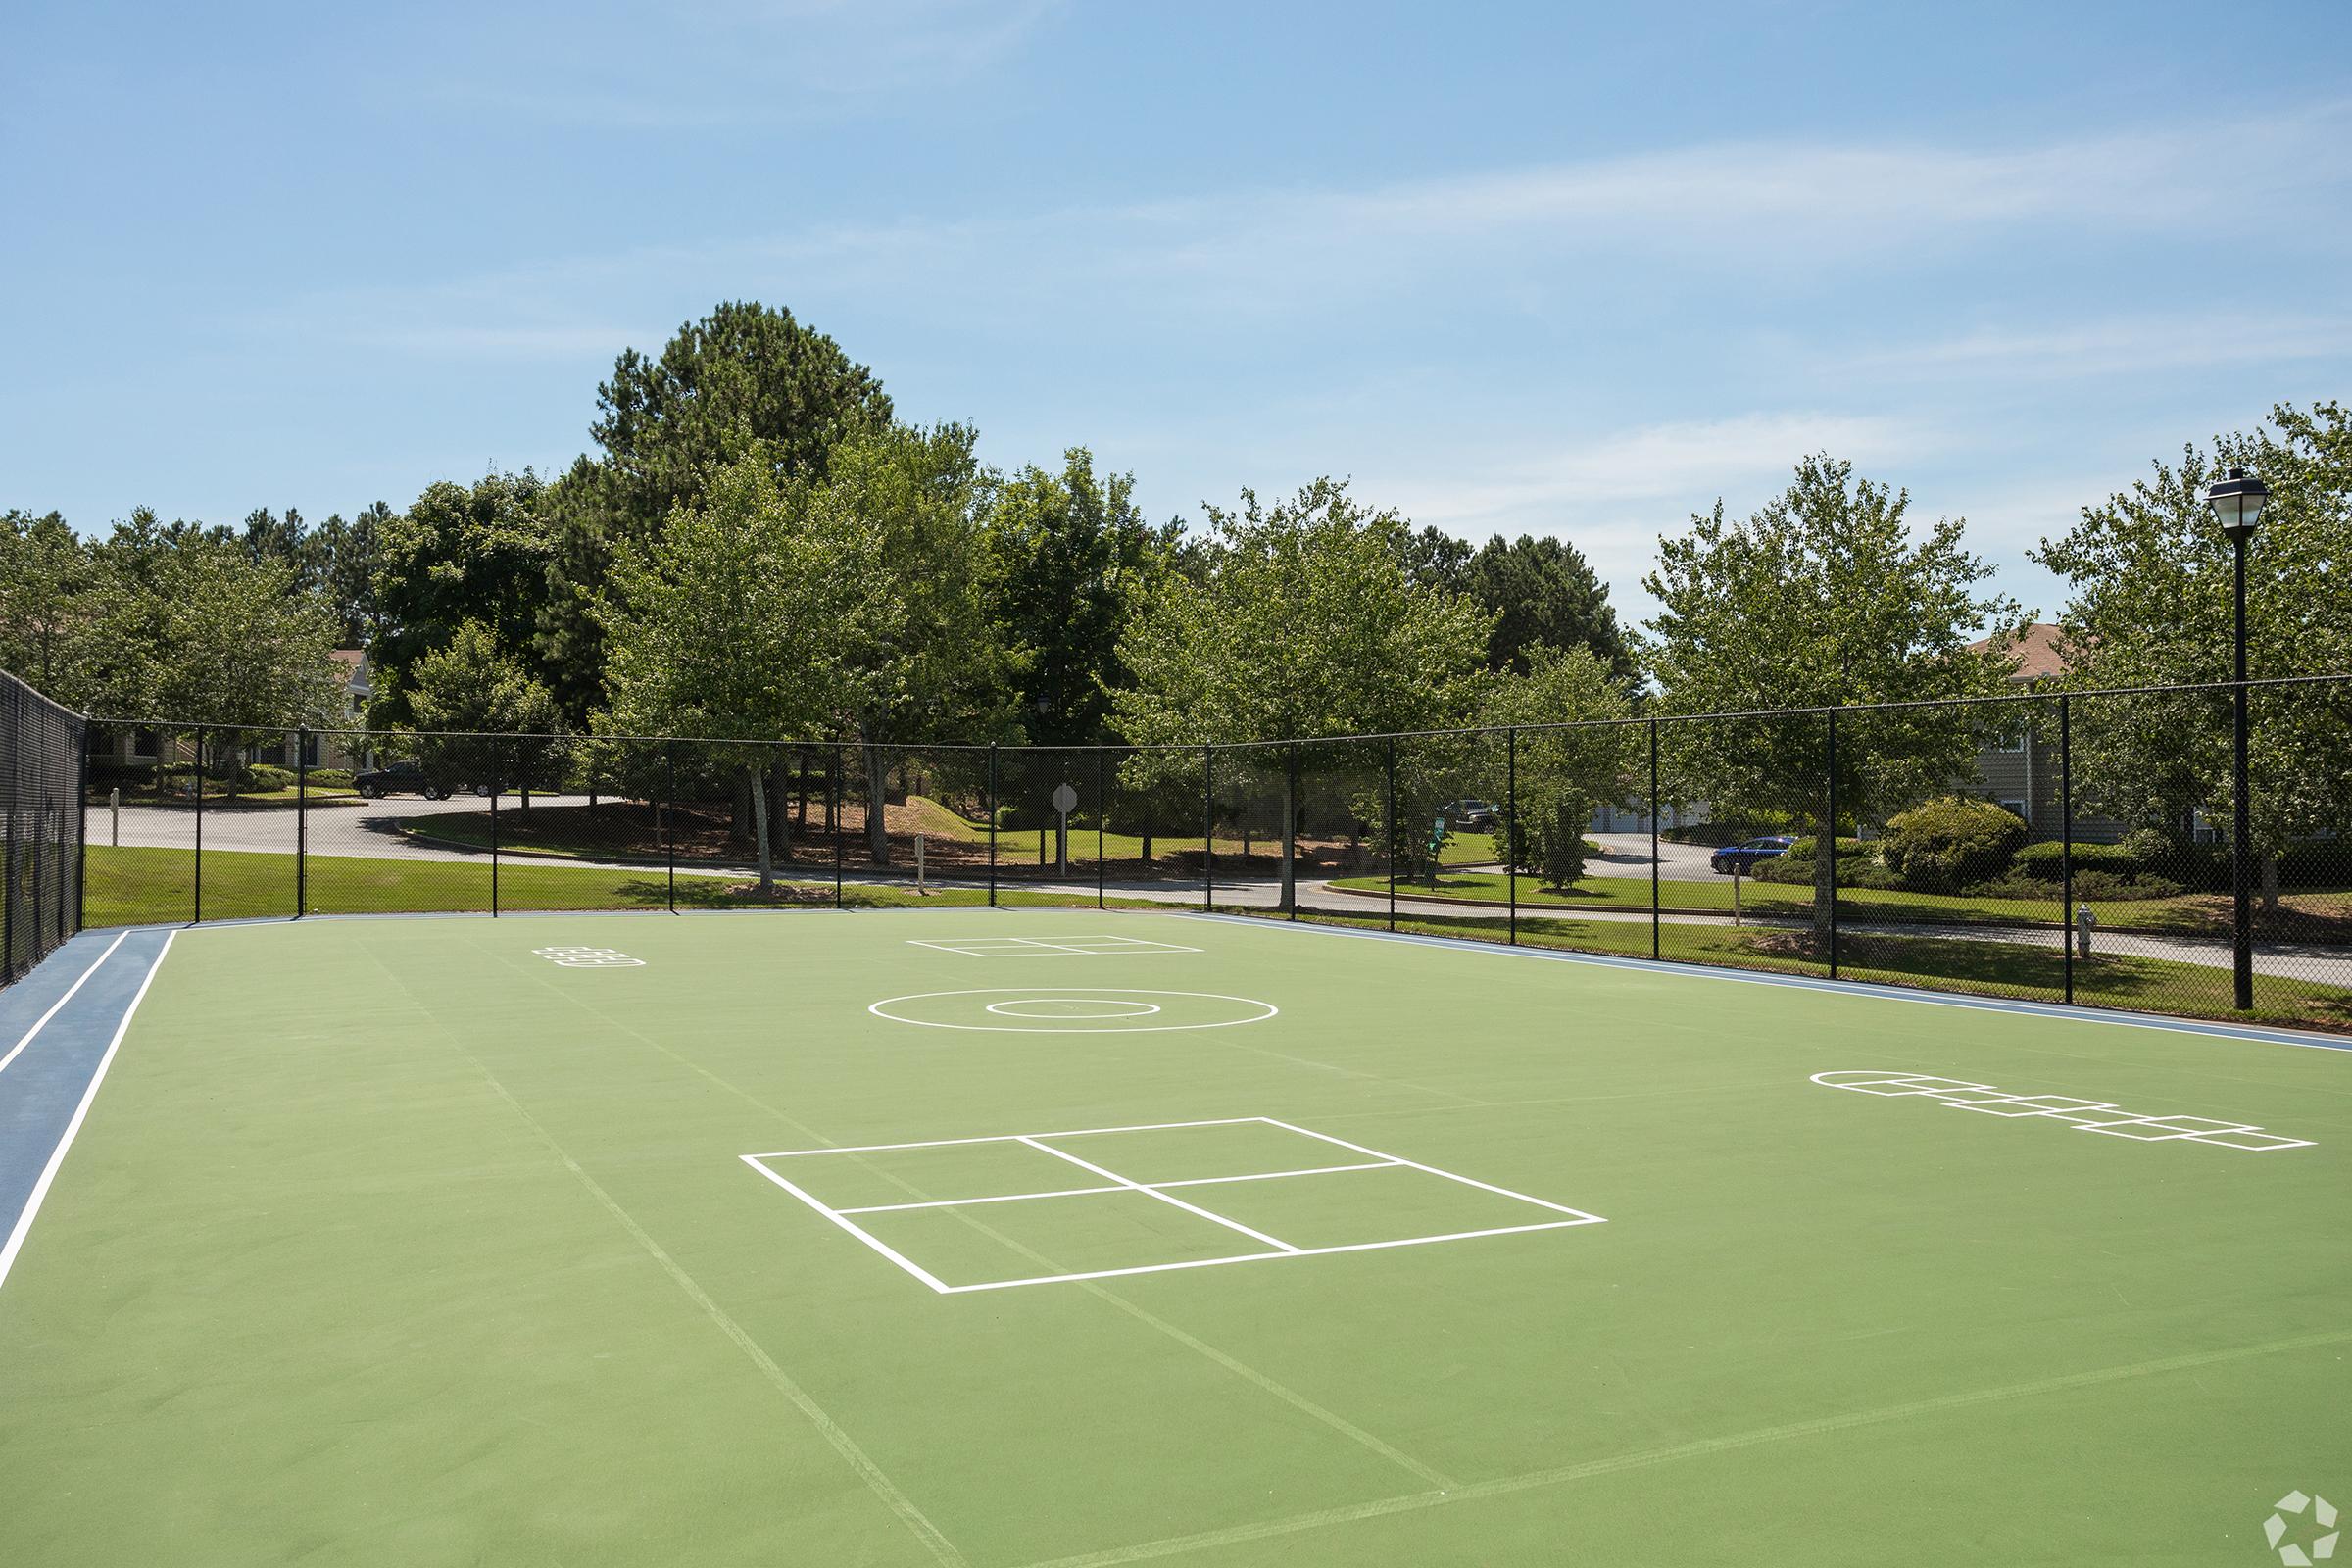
[[758, 789], [1147, 851], [2270, 886], [800, 808], [779, 810], [877, 791]]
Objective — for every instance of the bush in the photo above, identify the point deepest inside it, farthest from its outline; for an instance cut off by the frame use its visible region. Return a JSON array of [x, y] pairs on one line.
[[2046, 861], [2095, 886], [1858, 866], [262, 777], [332, 778], [1945, 844]]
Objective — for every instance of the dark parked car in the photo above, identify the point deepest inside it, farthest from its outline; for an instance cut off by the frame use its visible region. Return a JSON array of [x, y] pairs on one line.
[[1473, 816], [405, 778], [1744, 857]]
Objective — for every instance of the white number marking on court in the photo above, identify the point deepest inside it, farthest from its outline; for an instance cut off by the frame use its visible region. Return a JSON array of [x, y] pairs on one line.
[[589, 957], [1316, 1161], [2086, 1115], [1030, 946]]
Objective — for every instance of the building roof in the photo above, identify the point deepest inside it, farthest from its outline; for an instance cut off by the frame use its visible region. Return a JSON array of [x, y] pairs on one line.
[[2037, 652], [354, 657]]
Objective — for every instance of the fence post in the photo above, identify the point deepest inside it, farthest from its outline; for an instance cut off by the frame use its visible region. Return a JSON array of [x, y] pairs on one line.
[[992, 825], [1391, 832], [198, 916], [2241, 827], [1827, 843], [1510, 825], [81, 833], [1209, 829], [8, 809], [669, 817], [1654, 922], [2066, 838], [1289, 830], [494, 789], [302, 819], [1102, 810], [833, 815]]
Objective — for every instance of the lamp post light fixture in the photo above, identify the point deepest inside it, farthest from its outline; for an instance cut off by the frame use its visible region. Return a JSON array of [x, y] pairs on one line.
[[2236, 500]]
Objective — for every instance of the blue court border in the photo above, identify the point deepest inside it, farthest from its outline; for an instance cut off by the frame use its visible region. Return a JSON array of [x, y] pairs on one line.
[[59, 1029]]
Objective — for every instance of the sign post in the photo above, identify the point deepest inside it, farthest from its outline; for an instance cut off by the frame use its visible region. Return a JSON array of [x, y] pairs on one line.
[[1065, 801]]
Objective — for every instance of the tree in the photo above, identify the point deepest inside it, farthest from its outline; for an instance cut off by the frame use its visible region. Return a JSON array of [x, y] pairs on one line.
[[457, 555], [44, 573], [1563, 774], [473, 687], [746, 381], [184, 623], [2153, 581], [1307, 625], [1822, 598], [1544, 594], [1436, 559], [730, 625], [920, 654], [348, 581], [1070, 559]]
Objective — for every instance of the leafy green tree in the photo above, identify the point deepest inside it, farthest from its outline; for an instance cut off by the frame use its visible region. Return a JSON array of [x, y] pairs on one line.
[[184, 623], [2152, 604], [1544, 594], [1563, 774], [1821, 598], [471, 689], [44, 574], [919, 648], [1069, 561], [746, 381], [458, 555], [1309, 623], [730, 626], [1436, 559]]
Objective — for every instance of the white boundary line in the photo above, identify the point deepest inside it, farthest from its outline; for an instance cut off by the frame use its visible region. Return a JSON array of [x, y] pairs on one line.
[[995, 947], [2084, 1115], [1270, 1011], [875, 1242], [1152, 1192], [57, 1156], [1083, 1192], [1036, 1140], [58, 1005]]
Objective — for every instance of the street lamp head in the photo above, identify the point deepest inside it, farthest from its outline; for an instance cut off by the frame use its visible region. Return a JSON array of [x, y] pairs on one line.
[[2236, 502]]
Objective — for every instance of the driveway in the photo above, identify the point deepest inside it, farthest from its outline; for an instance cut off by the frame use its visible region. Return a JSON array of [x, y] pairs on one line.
[[1628, 855]]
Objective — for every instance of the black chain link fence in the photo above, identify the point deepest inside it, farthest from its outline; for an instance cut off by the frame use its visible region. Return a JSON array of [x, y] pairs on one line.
[[41, 794], [2058, 846]]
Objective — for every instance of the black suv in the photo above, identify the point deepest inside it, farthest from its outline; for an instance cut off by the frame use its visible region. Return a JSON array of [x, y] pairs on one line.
[[403, 778]]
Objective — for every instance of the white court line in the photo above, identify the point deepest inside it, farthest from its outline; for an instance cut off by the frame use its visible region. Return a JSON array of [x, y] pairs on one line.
[[875, 1242], [1083, 1192], [1151, 1191], [1264, 1257], [1582, 1218], [57, 1156], [55, 1008], [1002, 1138]]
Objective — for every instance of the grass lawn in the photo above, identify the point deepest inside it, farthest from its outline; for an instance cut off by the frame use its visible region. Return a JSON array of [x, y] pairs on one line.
[[153, 885], [1979, 967], [2308, 914]]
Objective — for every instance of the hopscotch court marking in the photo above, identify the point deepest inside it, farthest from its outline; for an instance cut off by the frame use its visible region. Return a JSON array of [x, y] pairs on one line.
[[1272, 1247], [1030, 946], [2084, 1115]]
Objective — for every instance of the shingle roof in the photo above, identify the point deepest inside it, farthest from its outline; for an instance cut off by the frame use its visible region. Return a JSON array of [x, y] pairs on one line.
[[2037, 652]]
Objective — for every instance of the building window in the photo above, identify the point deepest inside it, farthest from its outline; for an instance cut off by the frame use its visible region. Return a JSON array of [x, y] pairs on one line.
[[2014, 741], [2019, 808], [143, 741]]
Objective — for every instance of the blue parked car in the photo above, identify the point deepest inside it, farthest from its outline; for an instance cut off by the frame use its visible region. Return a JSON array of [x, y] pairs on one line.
[[1744, 857]]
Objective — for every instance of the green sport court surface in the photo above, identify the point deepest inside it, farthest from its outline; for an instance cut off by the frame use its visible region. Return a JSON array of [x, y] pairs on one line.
[[812, 1240]]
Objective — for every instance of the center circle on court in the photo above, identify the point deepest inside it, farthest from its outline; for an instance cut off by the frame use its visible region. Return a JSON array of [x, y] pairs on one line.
[[1073, 1007], [1072, 1010]]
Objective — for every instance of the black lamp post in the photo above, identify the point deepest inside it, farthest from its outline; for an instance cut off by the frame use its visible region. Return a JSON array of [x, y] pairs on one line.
[[2237, 503]]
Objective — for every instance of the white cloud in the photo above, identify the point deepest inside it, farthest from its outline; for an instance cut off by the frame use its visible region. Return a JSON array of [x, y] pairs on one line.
[[2121, 346]]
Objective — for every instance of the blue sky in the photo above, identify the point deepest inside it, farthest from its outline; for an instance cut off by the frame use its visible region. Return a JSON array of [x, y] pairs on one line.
[[1512, 267]]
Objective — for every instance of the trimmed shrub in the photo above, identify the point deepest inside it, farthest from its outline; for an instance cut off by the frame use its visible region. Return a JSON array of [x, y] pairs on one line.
[[2046, 861], [334, 778], [262, 777], [1858, 866], [1945, 844]]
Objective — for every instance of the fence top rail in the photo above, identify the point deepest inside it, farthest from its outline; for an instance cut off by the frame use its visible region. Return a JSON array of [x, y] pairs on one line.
[[2046, 693]]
